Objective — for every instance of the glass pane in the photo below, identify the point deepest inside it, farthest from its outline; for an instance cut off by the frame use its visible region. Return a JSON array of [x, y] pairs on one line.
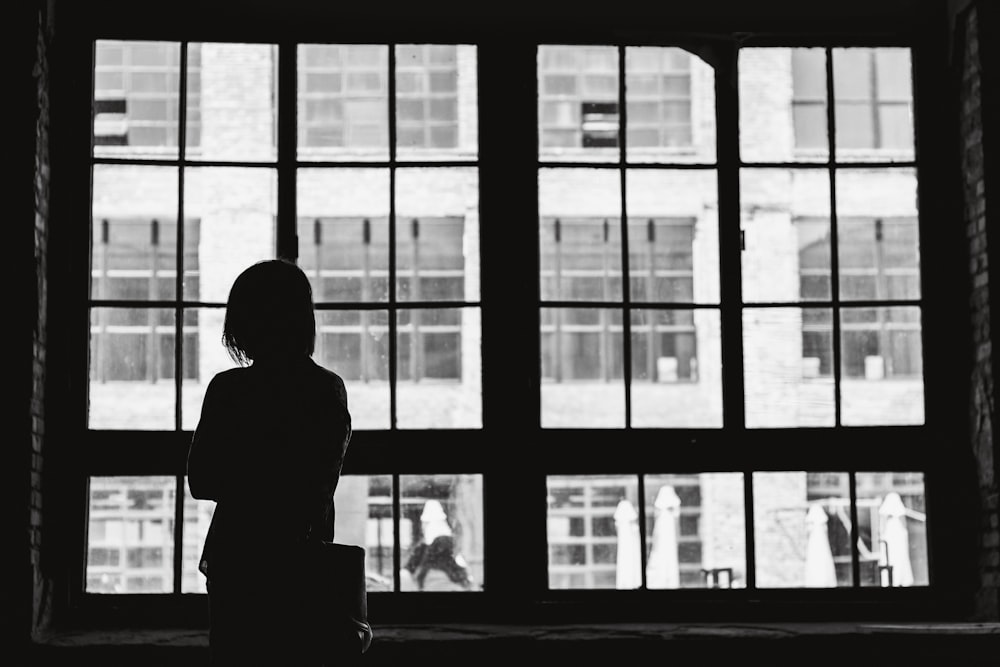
[[873, 89], [671, 106], [136, 99], [355, 345], [197, 519], [437, 235], [578, 103], [442, 529], [673, 233], [343, 232], [130, 535], [676, 368], [593, 532], [579, 234], [696, 536], [787, 367], [232, 97], [878, 236], [802, 534], [783, 105], [785, 221], [892, 529], [132, 369], [437, 107], [134, 251], [343, 102], [204, 356], [439, 368], [882, 377], [363, 516], [236, 208], [582, 356]]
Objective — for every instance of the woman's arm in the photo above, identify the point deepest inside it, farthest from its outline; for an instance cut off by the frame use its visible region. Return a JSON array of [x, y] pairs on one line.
[[204, 460]]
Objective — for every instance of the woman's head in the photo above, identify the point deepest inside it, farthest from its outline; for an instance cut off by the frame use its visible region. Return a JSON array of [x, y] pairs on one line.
[[270, 313]]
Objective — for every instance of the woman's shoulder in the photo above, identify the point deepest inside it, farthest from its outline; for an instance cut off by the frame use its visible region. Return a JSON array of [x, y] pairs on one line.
[[328, 380]]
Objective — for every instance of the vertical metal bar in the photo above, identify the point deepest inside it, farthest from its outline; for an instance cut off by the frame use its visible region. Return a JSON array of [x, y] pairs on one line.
[[397, 557], [557, 344], [393, 328], [626, 282], [831, 124], [101, 352], [855, 547], [366, 251], [153, 351], [286, 234], [651, 337], [642, 530], [416, 358], [318, 275]]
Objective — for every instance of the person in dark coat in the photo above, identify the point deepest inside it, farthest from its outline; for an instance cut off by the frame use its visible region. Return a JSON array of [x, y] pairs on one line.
[[268, 449]]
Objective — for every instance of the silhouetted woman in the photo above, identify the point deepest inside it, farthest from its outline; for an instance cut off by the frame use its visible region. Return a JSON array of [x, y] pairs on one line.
[[268, 449]]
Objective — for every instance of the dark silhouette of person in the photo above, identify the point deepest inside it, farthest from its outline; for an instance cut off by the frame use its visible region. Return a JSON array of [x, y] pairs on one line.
[[268, 448], [437, 567]]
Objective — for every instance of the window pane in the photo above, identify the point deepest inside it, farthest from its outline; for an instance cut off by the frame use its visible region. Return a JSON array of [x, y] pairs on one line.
[[802, 529], [676, 368], [439, 368], [892, 529], [873, 88], [579, 234], [237, 208], [695, 531], [783, 105], [136, 99], [355, 124], [343, 232], [671, 105], [855, 127], [132, 369], [882, 378], [204, 356], [232, 116], [130, 536], [585, 79], [787, 362], [436, 101], [878, 238], [364, 517], [593, 532], [673, 236], [582, 384], [197, 519], [355, 345], [784, 214], [442, 521], [437, 234]]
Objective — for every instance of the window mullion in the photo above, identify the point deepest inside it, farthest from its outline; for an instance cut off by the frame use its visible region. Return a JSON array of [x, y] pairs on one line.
[[287, 128]]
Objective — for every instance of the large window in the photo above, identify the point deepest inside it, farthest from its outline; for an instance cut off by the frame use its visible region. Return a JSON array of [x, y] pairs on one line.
[[654, 316]]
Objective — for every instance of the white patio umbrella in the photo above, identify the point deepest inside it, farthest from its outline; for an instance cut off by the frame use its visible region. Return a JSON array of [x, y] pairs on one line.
[[663, 570], [895, 542], [629, 563], [820, 570]]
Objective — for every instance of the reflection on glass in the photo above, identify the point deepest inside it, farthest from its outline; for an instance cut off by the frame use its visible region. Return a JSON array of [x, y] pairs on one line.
[[343, 102], [783, 105], [439, 368], [355, 345], [436, 101], [676, 368], [197, 519], [787, 367], [578, 103], [232, 96], [582, 385], [364, 517], [593, 532], [882, 378], [132, 368], [695, 534], [134, 251], [137, 98], [130, 535], [437, 234], [441, 527], [802, 529], [673, 236], [343, 231], [236, 209], [671, 106], [204, 356], [873, 103], [785, 223], [892, 529]]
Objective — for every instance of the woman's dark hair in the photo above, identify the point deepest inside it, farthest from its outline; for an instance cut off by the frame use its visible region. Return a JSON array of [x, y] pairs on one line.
[[269, 313]]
